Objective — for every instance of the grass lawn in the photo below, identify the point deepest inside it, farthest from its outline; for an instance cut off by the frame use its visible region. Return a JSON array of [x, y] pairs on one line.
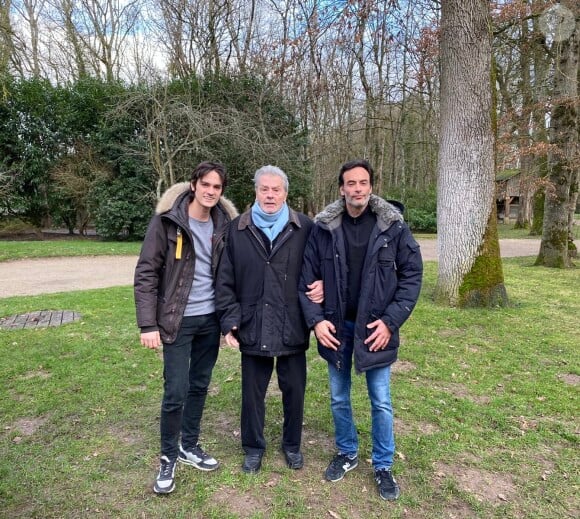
[[14, 250], [486, 405]]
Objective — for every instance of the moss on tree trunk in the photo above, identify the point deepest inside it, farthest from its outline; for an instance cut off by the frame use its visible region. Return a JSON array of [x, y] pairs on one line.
[[483, 286]]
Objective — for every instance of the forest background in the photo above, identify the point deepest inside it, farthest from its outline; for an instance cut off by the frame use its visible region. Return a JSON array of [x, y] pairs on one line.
[[105, 104]]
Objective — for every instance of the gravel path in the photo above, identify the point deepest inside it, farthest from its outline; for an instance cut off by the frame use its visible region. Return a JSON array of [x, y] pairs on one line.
[[48, 275]]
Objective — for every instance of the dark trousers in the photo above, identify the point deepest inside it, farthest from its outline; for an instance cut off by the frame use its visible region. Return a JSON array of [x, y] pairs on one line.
[[256, 374], [188, 364]]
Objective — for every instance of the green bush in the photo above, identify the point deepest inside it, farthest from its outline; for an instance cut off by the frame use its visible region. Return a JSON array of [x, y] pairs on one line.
[[121, 210], [422, 220], [420, 207]]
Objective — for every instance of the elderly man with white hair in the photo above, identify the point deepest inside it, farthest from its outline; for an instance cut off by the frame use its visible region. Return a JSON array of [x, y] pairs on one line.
[[258, 305]]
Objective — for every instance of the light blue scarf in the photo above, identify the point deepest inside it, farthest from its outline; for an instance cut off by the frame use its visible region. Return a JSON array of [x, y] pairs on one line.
[[270, 224]]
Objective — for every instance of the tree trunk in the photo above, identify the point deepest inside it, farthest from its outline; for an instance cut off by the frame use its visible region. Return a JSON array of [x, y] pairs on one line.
[[572, 249], [525, 140], [470, 271], [6, 44], [564, 136]]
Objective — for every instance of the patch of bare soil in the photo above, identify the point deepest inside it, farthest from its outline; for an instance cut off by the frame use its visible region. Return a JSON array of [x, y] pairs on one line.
[[39, 373], [128, 437], [487, 487], [569, 378], [458, 509], [320, 442], [423, 428], [460, 391], [240, 504], [27, 426]]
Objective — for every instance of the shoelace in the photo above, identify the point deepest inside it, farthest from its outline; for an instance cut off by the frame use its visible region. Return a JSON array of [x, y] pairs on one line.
[[340, 461], [384, 473], [166, 467]]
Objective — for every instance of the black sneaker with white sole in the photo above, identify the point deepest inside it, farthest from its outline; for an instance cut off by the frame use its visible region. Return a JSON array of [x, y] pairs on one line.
[[388, 488], [339, 466], [165, 482], [197, 458]]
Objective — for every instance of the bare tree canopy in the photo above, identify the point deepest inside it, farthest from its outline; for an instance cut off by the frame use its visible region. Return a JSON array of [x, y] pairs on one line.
[[360, 78]]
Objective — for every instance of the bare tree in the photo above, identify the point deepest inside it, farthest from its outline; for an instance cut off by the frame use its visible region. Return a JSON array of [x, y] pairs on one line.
[[67, 55], [90, 37], [196, 34], [470, 272], [27, 58], [107, 24], [74, 175], [241, 21]]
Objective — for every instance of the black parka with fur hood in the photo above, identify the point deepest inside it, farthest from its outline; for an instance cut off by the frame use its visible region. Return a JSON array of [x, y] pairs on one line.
[[162, 279]]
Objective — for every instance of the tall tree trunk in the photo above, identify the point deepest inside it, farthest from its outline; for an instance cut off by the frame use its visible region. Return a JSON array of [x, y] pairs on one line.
[[541, 64], [6, 46], [564, 162], [470, 271], [525, 141]]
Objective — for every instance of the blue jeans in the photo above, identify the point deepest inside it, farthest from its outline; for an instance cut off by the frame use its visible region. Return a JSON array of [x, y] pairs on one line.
[[378, 387], [187, 367]]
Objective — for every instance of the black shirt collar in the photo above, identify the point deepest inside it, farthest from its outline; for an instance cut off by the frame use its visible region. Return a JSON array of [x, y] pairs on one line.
[[366, 215]]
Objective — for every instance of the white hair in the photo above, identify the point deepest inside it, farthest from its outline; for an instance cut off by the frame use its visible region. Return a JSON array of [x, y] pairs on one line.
[[271, 170]]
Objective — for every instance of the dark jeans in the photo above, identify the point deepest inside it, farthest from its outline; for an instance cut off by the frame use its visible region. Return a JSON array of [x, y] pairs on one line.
[[188, 364], [256, 374]]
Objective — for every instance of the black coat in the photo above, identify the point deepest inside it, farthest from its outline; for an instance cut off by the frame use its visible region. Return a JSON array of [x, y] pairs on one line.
[[162, 281], [390, 284], [257, 289]]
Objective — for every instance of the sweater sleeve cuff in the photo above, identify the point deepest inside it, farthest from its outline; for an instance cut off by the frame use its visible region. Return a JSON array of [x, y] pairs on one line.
[[147, 329]]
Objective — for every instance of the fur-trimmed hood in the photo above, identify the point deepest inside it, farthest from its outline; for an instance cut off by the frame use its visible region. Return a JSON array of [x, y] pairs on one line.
[[170, 196], [331, 215]]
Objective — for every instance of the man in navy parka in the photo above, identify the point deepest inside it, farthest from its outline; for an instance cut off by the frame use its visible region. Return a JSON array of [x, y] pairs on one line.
[[371, 267]]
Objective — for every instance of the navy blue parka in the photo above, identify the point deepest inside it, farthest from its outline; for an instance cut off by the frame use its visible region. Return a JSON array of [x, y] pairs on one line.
[[390, 284]]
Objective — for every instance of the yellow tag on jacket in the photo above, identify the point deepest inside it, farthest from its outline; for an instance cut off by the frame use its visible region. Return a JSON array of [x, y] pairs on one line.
[[179, 244]]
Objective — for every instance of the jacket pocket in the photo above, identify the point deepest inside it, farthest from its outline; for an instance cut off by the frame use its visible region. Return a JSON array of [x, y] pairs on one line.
[[248, 324], [386, 257], [295, 330]]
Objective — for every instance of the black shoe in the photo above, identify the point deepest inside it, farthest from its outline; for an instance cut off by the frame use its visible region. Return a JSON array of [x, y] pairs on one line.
[[294, 460], [339, 466], [388, 488], [198, 458], [165, 482], [252, 463]]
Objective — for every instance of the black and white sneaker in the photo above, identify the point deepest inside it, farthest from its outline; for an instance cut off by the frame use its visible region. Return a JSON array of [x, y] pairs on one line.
[[339, 466], [165, 482], [388, 488], [198, 458]]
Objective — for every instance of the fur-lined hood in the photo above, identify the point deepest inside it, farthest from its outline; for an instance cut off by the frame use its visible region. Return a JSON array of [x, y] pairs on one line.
[[331, 215], [168, 199]]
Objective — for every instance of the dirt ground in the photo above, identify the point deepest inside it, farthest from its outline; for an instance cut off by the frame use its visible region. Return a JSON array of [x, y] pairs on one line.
[[48, 275]]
